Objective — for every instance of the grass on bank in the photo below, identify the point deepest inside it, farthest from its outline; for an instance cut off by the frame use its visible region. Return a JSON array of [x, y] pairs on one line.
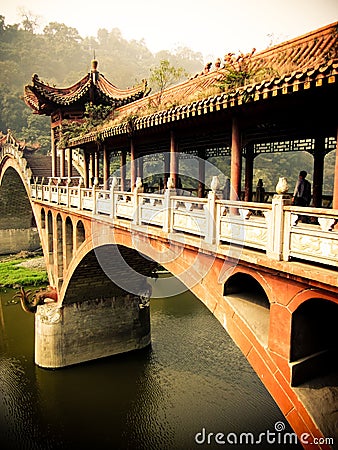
[[13, 275]]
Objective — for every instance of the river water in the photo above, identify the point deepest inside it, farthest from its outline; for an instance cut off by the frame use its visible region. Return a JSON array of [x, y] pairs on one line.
[[192, 381]]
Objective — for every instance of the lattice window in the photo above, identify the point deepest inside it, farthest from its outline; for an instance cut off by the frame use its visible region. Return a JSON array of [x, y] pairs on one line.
[[330, 144], [285, 146]]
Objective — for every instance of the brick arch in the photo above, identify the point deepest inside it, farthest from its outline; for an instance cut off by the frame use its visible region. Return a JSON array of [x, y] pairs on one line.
[[260, 281], [15, 211], [313, 341], [247, 296], [18, 222], [80, 231], [99, 273], [59, 245], [43, 218], [306, 294], [10, 161], [69, 239]]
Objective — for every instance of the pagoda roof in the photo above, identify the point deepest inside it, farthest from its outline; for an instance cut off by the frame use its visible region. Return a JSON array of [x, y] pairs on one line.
[[93, 87], [309, 51]]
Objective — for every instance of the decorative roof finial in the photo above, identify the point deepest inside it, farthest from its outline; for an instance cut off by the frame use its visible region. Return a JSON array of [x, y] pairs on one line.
[[94, 64]]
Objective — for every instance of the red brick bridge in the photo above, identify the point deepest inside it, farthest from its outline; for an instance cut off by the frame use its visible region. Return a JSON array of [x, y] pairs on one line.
[[267, 277], [267, 271]]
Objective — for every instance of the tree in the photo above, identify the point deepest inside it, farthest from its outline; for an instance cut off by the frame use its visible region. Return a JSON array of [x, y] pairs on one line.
[[29, 21], [165, 75]]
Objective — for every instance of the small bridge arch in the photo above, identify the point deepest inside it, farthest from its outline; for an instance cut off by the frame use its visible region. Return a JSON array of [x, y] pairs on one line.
[[314, 337], [245, 292], [18, 229]]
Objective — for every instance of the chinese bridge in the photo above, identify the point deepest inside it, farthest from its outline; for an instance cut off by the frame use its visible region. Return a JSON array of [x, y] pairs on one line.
[[267, 270]]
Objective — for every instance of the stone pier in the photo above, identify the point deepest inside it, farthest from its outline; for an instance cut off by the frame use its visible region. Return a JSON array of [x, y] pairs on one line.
[[87, 330]]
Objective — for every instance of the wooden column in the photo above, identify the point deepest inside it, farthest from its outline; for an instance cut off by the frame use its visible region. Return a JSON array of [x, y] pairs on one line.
[[318, 172], [53, 152], [249, 164], [132, 165], [96, 164], [123, 170], [91, 169], [201, 173], [335, 183], [70, 163], [106, 168], [86, 169], [173, 159], [62, 162], [236, 162], [140, 167], [166, 169]]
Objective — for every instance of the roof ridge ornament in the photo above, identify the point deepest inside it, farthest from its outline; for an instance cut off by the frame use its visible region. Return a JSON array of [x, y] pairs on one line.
[[94, 72]]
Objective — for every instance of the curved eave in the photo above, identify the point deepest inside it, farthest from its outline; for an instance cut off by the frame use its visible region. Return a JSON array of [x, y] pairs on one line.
[[42, 98], [120, 96], [307, 80], [116, 102]]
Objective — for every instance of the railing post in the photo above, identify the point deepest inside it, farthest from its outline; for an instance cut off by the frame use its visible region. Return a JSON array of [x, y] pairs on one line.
[[113, 186], [167, 217], [136, 205], [68, 192], [94, 189], [80, 193], [49, 189], [211, 211], [58, 190], [275, 225], [287, 234]]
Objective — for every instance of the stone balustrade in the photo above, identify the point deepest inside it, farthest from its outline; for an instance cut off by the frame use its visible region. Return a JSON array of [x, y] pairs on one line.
[[279, 230]]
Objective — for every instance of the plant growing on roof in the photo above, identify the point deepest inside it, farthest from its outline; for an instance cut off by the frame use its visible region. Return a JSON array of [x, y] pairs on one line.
[[163, 76], [94, 115], [130, 123], [241, 70]]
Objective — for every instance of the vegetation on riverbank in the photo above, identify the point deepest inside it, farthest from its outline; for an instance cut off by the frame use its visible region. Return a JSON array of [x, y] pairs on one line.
[[22, 270]]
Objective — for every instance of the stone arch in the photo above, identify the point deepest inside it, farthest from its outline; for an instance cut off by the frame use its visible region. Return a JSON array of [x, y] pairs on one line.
[[59, 245], [69, 240], [248, 297], [14, 201], [314, 337], [92, 280], [18, 229], [43, 219], [50, 241], [80, 233]]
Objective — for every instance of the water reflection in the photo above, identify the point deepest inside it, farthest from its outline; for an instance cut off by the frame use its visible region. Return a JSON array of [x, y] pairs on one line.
[[191, 377]]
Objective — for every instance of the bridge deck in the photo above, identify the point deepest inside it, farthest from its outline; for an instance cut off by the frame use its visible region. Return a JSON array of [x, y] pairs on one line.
[[276, 236]]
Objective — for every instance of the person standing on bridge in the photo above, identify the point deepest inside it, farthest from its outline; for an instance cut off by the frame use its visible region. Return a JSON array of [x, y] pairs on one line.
[[302, 192]]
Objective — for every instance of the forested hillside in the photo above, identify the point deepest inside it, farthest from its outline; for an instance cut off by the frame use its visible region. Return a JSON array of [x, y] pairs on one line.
[[60, 56]]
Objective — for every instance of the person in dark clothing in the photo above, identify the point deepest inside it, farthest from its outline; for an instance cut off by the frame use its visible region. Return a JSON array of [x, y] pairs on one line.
[[302, 192]]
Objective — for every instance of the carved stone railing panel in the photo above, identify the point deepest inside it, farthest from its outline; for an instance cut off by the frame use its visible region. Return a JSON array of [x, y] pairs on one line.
[[152, 209], [310, 235], [246, 226], [190, 215]]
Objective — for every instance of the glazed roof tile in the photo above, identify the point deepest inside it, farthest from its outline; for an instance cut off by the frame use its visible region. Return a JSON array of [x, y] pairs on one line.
[[298, 55], [305, 62]]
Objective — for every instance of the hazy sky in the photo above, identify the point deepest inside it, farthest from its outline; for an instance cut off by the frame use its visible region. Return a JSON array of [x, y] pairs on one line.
[[212, 27]]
